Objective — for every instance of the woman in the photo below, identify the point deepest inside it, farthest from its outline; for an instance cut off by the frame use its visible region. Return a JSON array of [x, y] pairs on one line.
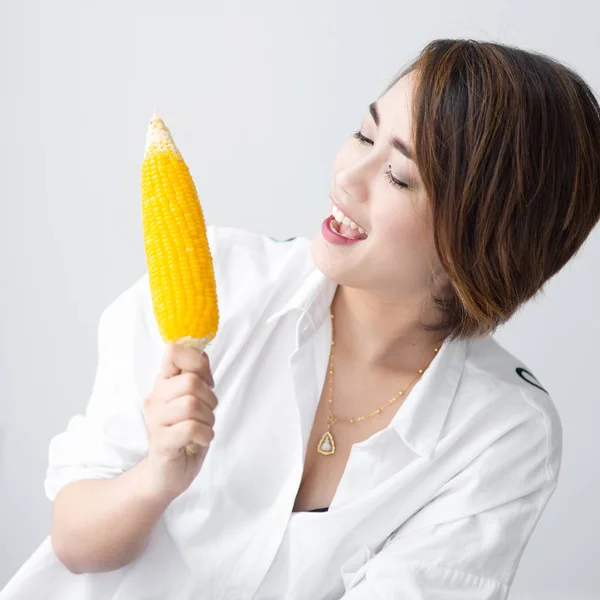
[[364, 436]]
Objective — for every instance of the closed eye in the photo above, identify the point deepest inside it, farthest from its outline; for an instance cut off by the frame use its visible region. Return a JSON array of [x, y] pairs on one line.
[[361, 138], [395, 182]]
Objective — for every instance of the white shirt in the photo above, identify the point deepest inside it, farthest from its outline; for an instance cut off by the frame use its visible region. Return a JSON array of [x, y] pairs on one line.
[[438, 505]]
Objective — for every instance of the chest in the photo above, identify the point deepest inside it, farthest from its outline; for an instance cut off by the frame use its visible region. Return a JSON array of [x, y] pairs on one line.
[[356, 397]]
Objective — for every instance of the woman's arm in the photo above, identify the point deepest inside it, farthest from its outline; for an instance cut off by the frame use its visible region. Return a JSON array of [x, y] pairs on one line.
[[104, 524]]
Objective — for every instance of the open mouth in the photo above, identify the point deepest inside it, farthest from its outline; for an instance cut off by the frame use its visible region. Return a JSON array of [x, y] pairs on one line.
[[345, 227]]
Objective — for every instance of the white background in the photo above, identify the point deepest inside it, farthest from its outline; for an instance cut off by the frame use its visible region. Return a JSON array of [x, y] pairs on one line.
[[259, 96]]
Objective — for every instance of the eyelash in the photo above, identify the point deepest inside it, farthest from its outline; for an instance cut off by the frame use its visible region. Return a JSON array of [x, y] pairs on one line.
[[395, 182]]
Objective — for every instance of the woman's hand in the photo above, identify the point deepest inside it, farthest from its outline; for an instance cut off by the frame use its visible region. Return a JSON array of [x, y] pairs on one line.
[[179, 410]]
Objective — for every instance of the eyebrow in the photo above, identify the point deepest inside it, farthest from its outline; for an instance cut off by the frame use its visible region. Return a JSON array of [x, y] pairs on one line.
[[396, 142]]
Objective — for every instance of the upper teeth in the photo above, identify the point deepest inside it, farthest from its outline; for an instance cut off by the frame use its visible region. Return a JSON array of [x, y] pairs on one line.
[[340, 217]]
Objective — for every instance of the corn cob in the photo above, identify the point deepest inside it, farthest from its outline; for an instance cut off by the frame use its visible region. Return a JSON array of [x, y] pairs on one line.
[[180, 269]]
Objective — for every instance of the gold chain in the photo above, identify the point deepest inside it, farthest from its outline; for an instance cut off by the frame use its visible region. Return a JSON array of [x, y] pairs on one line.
[[326, 444]]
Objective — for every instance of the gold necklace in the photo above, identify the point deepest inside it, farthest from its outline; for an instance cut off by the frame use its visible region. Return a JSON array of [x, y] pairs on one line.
[[326, 444]]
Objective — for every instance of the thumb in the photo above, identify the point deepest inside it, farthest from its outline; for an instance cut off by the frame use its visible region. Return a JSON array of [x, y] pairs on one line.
[[167, 367]]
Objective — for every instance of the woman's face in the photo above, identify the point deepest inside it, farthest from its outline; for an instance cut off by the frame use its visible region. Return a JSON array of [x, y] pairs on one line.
[[392, 260]]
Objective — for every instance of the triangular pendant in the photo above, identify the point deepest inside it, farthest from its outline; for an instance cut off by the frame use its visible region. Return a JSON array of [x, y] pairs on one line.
[[326, 445]]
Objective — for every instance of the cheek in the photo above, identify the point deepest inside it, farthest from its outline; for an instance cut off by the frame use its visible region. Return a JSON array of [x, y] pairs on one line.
[[402, 245], [401, 227]]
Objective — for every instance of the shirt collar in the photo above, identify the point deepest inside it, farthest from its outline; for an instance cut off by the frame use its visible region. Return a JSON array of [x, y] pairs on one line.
[[420, 419], [313, 298]]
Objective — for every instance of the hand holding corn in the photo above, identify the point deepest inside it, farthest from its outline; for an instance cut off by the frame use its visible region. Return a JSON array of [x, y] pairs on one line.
[[182, 284], [178, 410]]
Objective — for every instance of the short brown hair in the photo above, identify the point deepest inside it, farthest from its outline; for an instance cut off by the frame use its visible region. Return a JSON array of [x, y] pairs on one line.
[[507, 143]]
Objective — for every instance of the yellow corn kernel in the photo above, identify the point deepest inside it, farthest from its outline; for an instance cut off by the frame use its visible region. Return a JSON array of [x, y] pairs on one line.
[[180, 268]]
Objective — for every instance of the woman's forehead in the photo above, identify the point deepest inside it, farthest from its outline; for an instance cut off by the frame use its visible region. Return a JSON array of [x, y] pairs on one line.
[[395, 108]]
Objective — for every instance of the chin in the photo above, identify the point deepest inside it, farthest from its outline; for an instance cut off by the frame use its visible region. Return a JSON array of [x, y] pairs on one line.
[[331, 266]]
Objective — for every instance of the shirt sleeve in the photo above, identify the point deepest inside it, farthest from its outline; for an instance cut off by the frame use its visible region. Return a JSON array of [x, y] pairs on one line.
[[110, 437], [466, 543]]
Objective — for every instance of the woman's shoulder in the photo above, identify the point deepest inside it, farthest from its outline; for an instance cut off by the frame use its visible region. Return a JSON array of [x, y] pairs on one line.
[[255, 273], [499, 393], [250, 263], [490, 364]]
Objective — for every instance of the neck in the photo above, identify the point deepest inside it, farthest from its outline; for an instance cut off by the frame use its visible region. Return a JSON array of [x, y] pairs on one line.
[[372, 332]]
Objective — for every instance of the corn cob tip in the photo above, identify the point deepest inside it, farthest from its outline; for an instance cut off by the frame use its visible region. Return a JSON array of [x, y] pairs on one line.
[[159, 136]]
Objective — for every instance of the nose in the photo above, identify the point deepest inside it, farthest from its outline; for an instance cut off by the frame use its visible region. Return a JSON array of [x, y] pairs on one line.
[[354, 177]]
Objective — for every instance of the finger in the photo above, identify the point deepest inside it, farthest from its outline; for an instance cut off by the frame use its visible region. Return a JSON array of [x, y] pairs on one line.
[[167, 367], [203, 370], [184, 408], [178, 436], [179, 358], [187, 384], [188, 359]]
